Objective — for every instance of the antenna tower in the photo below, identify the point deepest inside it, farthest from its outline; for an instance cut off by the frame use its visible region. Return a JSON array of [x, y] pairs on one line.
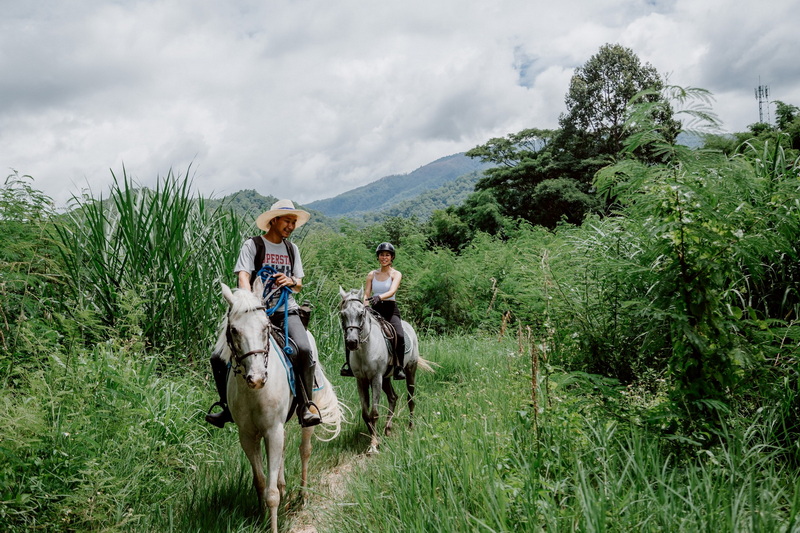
[[762, 95]]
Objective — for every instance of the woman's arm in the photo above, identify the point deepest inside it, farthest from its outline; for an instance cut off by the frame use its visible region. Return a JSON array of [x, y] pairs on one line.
[[368, 286], [396, 277]]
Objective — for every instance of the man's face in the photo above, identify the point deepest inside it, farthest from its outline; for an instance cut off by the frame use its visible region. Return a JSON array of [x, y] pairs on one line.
[[284, 226]]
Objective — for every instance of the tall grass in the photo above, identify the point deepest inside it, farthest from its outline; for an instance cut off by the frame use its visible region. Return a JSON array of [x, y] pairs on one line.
[[474, 463], [160, 247]]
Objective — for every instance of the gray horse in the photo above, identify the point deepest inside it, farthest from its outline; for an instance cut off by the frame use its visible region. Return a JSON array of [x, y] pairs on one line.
[[369, 360]]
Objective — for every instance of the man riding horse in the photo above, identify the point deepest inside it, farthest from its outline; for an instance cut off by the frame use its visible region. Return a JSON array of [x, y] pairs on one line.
[[273, 251]]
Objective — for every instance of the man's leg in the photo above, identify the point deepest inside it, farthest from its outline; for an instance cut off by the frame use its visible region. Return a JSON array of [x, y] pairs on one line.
[[304, 368], [219, 369]]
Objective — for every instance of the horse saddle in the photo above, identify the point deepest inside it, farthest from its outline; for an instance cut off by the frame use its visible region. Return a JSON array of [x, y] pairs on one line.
[[278, 342], [388, 333]]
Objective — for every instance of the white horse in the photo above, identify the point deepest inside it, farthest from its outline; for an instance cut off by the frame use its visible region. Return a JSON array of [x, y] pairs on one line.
[[260, 398], [370, 362]]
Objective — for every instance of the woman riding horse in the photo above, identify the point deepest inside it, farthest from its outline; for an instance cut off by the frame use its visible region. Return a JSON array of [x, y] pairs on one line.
[[381, 288], [273, 250]]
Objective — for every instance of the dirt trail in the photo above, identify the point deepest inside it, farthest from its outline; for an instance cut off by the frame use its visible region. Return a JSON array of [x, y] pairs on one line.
[[326, 494]]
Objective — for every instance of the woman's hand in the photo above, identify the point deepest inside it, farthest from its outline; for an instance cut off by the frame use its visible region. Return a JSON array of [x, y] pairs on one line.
[[375, 300]]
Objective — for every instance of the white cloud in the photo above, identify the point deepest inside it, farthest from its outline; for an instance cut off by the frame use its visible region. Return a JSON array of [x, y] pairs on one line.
[[308, 99]]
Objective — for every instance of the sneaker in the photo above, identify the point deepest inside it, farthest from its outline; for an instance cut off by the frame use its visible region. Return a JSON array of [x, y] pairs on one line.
[[398, 373], [346, 371]]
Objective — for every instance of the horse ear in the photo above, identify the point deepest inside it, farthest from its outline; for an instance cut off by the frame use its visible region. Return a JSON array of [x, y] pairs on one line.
[[226, 292], [361, 293], [258, 287], [342, 293]]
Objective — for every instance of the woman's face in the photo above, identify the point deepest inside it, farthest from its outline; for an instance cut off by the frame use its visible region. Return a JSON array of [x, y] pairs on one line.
[[385, 258]]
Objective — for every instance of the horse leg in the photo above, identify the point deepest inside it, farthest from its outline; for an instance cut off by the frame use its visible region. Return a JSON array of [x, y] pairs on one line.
[[369, 415], [305, 454], [281, 478], [252, 449], [391, 396], [275, 447], [411, 386]]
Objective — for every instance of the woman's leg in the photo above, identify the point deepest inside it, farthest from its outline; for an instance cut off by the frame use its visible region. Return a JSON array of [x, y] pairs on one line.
[[397, 322]]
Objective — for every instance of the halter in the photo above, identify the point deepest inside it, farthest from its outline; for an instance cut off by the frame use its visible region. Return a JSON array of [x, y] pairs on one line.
[[363, 319], [238, 358]]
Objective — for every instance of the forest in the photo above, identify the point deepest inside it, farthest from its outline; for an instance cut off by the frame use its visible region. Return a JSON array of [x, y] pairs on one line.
[[613, 318]]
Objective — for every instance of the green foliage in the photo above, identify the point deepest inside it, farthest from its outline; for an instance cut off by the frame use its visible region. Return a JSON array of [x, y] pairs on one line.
[[708, 229], [543, 176], [423, 206], [161, 246], [98, 440], [596, 122], [456, 226], [485, 459], [28, 280]]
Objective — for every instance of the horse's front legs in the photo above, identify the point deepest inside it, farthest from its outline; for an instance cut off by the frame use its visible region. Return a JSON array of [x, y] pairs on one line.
[[391, 396], [369, 413], [251, 444]]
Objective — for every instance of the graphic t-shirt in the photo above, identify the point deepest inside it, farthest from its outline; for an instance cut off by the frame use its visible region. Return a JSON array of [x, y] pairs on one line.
[[275, 256]]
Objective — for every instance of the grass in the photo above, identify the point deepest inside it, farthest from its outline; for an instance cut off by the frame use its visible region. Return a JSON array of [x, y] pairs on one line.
[[101, 441]]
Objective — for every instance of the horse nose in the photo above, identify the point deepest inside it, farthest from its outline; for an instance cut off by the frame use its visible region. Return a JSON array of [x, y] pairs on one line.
[[351, 344], [255, 382]]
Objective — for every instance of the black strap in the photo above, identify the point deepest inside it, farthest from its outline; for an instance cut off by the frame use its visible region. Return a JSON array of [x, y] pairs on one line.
[[261, 252]]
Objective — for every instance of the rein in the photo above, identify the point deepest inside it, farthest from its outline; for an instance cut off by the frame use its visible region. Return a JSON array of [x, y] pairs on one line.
[[268, 273]]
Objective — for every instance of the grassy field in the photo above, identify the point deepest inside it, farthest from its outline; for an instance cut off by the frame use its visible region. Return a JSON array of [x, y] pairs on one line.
[[111, 440]]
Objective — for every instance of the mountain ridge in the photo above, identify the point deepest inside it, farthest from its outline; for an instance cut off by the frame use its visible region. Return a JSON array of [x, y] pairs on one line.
[[391, 190]]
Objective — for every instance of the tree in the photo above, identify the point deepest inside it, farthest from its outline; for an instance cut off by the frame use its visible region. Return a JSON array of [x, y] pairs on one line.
[[593, 128], [788, 121], [545, 176]]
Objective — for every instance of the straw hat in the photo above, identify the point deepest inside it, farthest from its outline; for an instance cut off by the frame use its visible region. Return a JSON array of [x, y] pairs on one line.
[[279, 209]]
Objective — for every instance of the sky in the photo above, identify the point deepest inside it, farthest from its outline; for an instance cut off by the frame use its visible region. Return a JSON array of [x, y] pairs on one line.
[[306, 99]]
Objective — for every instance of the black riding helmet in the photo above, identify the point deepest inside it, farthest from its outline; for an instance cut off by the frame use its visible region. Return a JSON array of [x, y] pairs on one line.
[[385, 247]]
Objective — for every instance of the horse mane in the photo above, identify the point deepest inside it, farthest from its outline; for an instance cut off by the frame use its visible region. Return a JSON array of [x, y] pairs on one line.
[[244, 301]]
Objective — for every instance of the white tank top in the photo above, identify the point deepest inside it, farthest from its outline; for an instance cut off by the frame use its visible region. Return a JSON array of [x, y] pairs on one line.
[[379, 287]]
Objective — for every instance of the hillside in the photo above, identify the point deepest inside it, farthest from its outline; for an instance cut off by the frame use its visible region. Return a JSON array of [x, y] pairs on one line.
[[423, 205], [250, 203], [392, 190]]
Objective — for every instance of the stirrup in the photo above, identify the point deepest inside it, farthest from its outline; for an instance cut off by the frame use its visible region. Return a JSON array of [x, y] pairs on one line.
[[314, 421], [346, 371], [219, 419]]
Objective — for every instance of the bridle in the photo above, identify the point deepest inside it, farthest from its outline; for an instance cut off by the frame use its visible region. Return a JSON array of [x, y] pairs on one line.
[[359, 327], [237, 359]]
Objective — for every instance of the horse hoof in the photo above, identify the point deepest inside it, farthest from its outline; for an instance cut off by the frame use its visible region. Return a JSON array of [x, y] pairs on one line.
[[373, 450]]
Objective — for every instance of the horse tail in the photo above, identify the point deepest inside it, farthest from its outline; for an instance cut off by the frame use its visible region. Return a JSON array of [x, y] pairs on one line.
[[330, 409], [426, 365]]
